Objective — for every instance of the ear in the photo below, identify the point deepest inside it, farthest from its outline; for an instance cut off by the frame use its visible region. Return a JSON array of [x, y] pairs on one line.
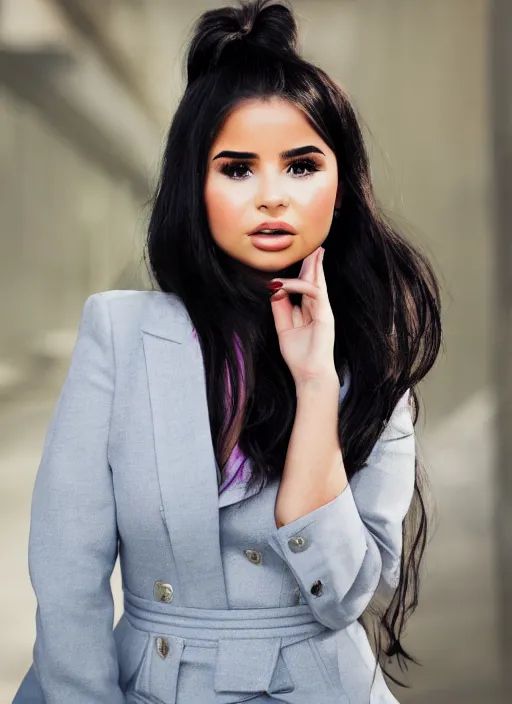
[[339, 195]]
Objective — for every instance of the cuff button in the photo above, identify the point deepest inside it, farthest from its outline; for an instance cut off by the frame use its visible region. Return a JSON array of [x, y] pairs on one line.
[[298, 543], [317, 588]]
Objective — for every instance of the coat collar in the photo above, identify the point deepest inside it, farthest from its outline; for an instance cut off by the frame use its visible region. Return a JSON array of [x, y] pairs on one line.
[[167, 317], [185, 458]]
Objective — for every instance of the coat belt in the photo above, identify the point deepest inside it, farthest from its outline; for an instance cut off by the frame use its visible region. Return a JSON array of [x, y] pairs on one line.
[[248, 640]]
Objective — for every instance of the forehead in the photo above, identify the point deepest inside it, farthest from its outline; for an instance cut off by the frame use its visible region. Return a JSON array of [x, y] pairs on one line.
[[267, 125]]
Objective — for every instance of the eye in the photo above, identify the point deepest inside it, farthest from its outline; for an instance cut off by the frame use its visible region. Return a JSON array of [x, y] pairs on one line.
[[305, 163], [232, 168]]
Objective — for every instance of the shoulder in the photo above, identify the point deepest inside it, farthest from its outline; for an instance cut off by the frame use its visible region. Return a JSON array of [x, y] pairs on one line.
[[119, 301], [130, 303], [154, 311]]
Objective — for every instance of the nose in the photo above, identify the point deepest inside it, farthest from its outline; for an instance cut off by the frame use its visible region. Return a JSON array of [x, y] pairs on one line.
[[272, 192]]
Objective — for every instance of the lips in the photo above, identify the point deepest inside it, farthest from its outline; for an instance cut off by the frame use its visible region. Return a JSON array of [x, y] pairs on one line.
[[269, 243], [275, 225]]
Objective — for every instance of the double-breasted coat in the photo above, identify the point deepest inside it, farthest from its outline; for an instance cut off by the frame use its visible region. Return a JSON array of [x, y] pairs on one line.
[[220, 605]]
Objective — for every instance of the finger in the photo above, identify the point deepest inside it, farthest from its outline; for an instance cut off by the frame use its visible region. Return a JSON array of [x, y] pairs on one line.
[[300, 286], [282, 311], [320, 270], [315, 305], [297, 317], [307, 270]]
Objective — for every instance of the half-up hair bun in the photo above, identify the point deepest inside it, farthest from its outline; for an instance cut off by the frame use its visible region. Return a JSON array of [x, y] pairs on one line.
[[229, 34]]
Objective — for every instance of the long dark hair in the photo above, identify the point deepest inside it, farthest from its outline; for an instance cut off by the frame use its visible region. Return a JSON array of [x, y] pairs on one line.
[[382, 290]]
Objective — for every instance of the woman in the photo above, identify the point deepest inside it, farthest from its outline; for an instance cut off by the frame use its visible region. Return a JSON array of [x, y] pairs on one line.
[[255, 535]]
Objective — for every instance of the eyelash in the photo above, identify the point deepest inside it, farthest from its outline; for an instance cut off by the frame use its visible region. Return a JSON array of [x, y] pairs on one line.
[[229, 169]]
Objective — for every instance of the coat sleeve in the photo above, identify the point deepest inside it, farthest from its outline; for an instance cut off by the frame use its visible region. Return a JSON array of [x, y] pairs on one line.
[[343, 552], [73, 532]]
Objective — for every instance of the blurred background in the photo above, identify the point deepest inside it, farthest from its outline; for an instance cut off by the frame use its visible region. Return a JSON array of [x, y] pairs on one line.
[[87, 90]]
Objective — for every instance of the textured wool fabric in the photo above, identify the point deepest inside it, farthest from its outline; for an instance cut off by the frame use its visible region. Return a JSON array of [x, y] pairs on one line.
[[220, 605]]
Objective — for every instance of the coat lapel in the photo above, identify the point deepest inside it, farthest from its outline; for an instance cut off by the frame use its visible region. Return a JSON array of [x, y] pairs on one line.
[[185, 458]]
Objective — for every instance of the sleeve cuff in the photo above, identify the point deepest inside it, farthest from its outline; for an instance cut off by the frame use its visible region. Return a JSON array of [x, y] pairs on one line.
[[327, 544]]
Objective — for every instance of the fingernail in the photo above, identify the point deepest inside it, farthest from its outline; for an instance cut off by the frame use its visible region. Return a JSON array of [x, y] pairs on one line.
[[275, 285]]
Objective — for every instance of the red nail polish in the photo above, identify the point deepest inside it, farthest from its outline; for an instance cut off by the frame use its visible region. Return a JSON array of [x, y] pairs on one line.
[[274, 285]]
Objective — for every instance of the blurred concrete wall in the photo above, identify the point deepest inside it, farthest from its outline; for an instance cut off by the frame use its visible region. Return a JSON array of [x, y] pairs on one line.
[[85, 100], [80, 138], [501, 102]]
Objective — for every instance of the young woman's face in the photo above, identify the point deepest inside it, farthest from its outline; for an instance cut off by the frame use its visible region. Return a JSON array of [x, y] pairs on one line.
[[241, 192]]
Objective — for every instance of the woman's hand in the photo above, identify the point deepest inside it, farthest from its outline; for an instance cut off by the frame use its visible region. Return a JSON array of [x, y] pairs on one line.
[[306, 332]]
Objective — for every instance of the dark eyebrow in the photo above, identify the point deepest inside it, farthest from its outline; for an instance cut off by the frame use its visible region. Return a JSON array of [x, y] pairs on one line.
[[299, 151]]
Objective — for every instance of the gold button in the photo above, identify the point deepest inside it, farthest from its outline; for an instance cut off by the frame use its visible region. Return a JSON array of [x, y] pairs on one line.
[[298, 543], [162, 647], [163, 591], [254, 556]]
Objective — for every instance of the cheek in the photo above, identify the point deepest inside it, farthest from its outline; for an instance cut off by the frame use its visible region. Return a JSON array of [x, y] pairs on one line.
[[319, 205], [223, 205]]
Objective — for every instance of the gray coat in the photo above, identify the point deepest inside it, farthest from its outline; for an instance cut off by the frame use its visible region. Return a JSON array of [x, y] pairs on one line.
[[220, 606]]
